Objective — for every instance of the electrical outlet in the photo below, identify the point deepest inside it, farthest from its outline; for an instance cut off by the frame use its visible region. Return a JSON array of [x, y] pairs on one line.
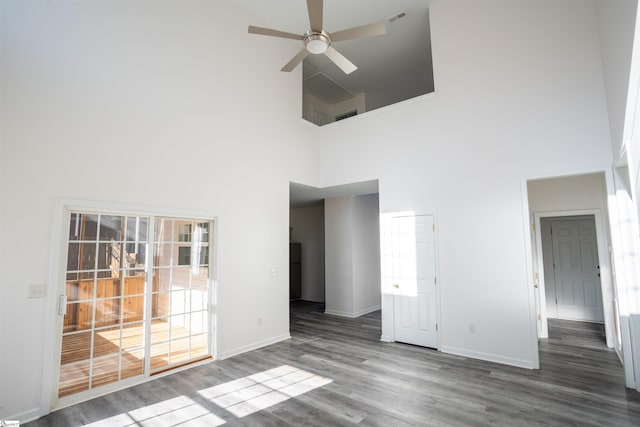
[[36, 291], [273, 272]]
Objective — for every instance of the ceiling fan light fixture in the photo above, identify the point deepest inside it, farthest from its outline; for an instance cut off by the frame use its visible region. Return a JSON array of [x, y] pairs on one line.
[[317, 43]]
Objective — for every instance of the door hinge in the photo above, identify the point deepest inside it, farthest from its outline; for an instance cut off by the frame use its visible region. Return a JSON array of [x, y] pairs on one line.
[[533, 227], [539, 317], [436, 326], [433, 226], [435, 281]]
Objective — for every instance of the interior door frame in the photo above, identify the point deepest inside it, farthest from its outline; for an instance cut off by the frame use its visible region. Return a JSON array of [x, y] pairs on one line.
[[388, 294], [603, 259], [53, 338]]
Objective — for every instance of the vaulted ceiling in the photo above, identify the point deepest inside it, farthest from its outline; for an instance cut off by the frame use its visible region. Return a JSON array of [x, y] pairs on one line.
[[391, 67]]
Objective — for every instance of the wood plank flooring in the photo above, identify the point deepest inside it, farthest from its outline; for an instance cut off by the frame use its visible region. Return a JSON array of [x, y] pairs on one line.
[[336, 372], [170, 345]]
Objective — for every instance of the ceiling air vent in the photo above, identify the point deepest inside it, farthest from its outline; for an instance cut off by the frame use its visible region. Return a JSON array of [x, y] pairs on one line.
[[396, 17]]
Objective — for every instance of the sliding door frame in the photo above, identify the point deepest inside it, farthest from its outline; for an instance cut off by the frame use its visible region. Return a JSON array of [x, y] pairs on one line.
[[58, 262]]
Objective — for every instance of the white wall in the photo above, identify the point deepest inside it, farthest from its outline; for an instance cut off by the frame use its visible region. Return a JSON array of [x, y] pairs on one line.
[[568, 193], [308, 229], [338, 225], [616, 21], [145, 103], [352, 246], [366, 253], [519, 93]]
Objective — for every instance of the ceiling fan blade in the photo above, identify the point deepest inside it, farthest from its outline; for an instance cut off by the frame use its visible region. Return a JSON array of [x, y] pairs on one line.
[[289, 66], [375, 29], [315, 14], [274, 33], [339, 59]]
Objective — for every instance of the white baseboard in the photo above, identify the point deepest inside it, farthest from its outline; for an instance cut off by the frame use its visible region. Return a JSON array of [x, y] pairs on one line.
[[488, 357], [26, 416], [367, 310], [253, 346], [386, 338], [354, 314]]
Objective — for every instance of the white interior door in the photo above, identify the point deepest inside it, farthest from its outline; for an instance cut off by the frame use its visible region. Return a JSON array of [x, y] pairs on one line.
[[576, 270], [414, 275]]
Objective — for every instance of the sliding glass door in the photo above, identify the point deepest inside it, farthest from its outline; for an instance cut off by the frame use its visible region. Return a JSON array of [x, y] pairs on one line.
[[126, 313], [180, 292]]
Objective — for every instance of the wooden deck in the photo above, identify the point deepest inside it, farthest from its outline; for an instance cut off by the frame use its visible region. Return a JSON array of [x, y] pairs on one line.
[[117, 359]]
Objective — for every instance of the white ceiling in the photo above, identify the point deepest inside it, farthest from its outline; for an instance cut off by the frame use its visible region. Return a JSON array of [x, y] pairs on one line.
[[390, 67], [301, 195]]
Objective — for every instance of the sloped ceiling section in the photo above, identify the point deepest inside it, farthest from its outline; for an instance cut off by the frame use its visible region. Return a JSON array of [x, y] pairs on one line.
[[391, 68]]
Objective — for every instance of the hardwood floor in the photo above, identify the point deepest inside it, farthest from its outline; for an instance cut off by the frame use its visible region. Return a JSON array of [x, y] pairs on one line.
[[170, 346], [335, 371]]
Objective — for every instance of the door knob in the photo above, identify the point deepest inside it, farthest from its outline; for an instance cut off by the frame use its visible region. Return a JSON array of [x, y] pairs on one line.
[[395, 285]]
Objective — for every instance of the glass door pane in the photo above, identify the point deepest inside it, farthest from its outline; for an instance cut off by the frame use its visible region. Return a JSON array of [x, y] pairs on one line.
[[103, 329], [180, 293]]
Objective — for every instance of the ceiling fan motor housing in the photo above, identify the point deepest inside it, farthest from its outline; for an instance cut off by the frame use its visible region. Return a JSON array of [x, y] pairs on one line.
[[316, 43]]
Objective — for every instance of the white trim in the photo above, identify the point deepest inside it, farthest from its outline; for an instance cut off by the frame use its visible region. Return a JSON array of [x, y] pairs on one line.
[[529, 280], [253, 346], [488, 357], [367, 310], [50, 361], [634, 331], [542, 290], [25, 416], [339, 313], [386, 338], [354, 314], [98, 206], [627, 352]]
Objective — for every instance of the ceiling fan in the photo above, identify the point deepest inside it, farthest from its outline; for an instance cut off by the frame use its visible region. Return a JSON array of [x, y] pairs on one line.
[[317, 41]]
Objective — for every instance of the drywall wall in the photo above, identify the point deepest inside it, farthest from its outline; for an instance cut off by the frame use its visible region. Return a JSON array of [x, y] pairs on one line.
[[568, 193], [366, 254], [617, 20], [352, 246], [145, 104], [308, 230], [519, 93], [338, 225]]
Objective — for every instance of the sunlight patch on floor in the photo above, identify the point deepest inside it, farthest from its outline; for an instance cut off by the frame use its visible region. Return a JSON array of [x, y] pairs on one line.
[[256, 392], [180, 411]]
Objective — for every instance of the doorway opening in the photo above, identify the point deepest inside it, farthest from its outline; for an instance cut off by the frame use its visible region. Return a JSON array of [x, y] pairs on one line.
[[335, 247], [571, 265], [571, 268]]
